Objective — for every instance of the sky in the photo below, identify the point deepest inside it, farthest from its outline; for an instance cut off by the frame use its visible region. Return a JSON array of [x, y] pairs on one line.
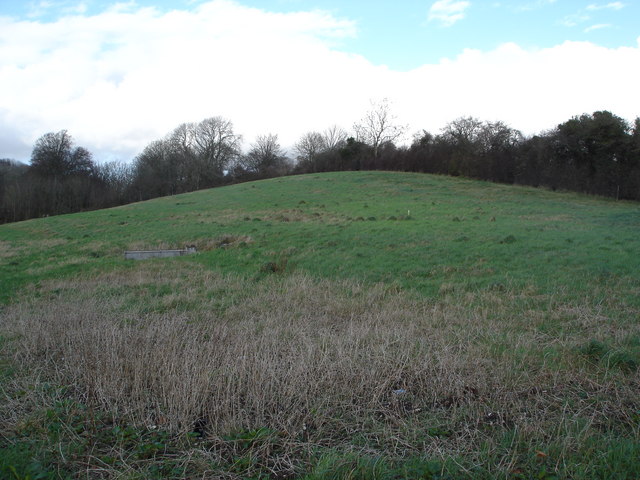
[[119, 75]]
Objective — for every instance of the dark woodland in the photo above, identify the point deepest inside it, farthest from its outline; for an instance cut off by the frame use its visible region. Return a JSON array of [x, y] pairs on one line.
[[596, 154]]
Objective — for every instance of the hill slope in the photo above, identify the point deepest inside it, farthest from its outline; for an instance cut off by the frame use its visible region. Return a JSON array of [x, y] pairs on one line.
[[423, 232], [345, 325]]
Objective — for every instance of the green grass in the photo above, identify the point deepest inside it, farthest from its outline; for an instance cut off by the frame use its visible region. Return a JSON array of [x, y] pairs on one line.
[[524, 302], [426, 233]]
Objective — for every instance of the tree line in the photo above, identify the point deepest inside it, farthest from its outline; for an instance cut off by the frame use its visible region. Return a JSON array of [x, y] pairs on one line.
[[596, 153]]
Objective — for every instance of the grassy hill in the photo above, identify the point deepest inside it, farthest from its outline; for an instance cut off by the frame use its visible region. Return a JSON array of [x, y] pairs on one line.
[[426, 233], [341, 325]]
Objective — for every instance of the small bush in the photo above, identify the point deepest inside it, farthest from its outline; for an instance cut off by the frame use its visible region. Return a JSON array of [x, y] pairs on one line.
[[596, 351], [224, 241], [335, 466], [279, 266], [419, 468], [625, 361]]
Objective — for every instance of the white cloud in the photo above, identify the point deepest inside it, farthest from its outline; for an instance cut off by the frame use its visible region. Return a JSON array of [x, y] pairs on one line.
[[124, 78], [575, 19], [535, 5], [77, 8], [532, 90], [448, 12], [608, 6], [37, 9], [581, 16], [598, 26]]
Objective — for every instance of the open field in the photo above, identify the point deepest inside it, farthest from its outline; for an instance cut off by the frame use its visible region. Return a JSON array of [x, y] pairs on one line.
[[348, 325]]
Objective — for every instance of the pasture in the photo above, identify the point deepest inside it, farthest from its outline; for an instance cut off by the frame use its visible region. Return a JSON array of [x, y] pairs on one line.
[[368, 325]]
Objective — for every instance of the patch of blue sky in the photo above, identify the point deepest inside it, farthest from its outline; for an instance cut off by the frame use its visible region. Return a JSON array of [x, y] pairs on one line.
[[406, 34]]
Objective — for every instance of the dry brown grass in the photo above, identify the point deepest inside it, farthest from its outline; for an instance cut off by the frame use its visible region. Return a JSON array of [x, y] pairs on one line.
[[316, 214], [202, 244], [223, 241], [319, 361], [6, 250], [45, 243], [145, 245]]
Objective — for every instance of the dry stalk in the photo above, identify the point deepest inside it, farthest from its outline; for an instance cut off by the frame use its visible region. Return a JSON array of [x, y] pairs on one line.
[[319, 362]]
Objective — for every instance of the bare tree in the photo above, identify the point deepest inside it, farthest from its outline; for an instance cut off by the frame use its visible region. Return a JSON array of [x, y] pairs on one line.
[[464, 131], [192, 156], [63, 175], [182, 138], [53, 156], [155, 171], [265, 158], [181, 157], [462, 137], [12, 201], [117, 176], [202, 152], [378, 126], [334, 137], [308, 148], [216, 144], [498, 136]]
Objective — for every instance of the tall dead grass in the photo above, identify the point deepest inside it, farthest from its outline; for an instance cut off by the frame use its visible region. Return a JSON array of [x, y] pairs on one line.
[[323, 361]]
